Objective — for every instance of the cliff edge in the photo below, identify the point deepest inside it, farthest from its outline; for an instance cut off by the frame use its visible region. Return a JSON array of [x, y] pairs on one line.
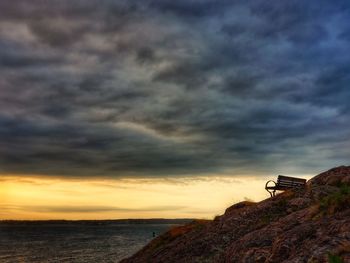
[[311, 225]]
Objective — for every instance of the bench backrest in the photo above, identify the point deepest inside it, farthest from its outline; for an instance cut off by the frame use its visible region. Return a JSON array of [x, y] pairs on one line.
[[290, 182]]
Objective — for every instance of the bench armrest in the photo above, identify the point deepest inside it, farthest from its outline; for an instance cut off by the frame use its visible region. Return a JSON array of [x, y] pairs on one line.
[[266, 185], [270, 189]]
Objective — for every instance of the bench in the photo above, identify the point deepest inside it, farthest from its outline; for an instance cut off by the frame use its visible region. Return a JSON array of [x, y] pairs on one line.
[[284, 183]]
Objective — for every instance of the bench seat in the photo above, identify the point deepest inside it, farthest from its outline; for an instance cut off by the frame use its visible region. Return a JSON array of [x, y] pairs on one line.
[[284, 183]]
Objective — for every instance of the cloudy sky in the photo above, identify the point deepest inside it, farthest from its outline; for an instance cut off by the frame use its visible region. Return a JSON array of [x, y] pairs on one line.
[[164, 88]]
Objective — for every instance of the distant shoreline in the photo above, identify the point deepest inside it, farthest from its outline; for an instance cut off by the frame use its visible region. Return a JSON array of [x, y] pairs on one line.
[[99, 222]]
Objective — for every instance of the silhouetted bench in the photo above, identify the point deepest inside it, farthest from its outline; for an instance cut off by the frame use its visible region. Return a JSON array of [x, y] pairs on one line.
[[284, 183]]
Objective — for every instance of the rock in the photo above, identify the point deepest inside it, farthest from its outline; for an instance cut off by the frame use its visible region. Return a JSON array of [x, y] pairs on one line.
[[233, 209], [299, 202], [333, 177]]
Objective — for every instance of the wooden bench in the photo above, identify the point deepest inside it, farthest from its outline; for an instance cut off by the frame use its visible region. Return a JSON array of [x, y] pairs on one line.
[[284, 183]]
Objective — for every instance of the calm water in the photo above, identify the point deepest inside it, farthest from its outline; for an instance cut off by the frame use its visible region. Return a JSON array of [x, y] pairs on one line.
[[74, 242]]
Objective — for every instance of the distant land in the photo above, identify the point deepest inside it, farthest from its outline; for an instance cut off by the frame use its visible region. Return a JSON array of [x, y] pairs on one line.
[[176, 221]]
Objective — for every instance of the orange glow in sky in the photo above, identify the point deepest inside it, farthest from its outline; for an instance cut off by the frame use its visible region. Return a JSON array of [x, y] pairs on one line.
[[192, 197]]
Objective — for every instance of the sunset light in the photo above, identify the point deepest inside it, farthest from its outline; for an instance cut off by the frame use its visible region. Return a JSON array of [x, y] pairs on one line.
[[55, 198]]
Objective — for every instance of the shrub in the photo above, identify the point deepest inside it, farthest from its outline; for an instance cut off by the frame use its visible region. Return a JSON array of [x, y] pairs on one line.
[[336, 201], [334, 258], [197, 224]]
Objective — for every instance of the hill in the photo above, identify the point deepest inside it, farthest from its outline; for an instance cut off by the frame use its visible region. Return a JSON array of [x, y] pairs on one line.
[[311, 225]]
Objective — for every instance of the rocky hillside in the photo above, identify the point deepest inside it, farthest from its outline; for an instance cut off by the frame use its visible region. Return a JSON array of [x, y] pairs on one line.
[[311, 225]]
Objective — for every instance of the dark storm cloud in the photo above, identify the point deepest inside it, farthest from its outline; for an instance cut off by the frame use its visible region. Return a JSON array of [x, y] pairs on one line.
[[119, 88], [196, 9]]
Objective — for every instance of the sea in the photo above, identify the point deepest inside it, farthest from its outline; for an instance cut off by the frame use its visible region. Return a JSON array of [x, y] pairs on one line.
[[40, 242]]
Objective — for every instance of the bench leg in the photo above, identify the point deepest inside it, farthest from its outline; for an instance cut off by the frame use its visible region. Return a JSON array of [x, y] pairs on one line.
[[272, 193]]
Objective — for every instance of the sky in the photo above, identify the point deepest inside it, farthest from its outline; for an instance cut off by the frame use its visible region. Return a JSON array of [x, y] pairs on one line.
[[170, 96]]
